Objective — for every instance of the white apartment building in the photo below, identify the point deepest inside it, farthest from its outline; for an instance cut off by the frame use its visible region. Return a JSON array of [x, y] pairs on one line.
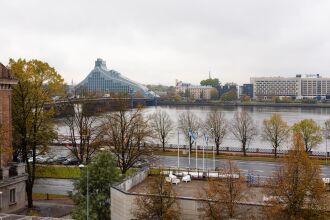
[[196, 91], [297, 87]]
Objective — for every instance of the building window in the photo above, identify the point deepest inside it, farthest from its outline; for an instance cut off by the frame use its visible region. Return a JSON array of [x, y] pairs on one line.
[[12, 196]]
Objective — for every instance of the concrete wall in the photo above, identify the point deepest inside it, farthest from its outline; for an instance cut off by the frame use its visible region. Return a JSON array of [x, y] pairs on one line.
[[121, 201], [133, 180], [17, 183]]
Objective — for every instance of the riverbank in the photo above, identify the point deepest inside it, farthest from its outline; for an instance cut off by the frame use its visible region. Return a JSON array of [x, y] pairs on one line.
[[247, 104]]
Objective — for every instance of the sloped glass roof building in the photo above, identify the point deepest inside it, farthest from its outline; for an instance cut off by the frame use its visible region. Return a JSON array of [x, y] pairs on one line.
[[104, 81]]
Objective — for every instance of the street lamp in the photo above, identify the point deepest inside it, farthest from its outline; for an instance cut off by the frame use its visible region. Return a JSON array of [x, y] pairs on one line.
[[81, 166]]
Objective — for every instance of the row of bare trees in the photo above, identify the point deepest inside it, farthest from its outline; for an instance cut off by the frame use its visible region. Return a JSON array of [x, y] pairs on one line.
[[274, 130], [215, 125], [124, 131], [294, 191]]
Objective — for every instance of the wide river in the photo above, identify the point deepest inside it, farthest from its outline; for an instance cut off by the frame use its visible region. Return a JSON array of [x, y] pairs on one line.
[[291, 115]]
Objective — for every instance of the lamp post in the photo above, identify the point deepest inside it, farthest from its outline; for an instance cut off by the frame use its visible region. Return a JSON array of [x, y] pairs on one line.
[[81, 166]]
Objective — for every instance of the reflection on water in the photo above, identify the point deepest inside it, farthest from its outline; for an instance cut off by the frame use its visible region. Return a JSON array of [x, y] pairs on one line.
[[290, 114]]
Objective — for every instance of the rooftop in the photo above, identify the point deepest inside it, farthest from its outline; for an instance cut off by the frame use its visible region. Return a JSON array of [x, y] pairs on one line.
[[194, 189]]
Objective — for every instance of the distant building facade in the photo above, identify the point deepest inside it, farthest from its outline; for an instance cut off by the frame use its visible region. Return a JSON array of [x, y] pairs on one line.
[[195, 91], [246, 90], [297, 87], [12, 175], [229, 87], [103, 81]]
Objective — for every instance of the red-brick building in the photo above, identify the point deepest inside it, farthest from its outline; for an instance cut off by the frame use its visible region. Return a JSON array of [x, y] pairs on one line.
[[12, 175]]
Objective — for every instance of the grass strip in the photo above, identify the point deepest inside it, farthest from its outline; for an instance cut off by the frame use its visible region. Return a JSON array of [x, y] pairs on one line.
[[57, 171]]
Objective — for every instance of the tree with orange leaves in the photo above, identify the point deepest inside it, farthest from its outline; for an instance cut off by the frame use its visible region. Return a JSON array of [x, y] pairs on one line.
[[296, 190]]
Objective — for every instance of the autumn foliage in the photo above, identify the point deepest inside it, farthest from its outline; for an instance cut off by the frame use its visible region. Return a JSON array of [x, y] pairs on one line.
[[296, 190]]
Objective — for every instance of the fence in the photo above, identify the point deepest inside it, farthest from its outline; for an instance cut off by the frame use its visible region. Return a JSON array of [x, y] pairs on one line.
[[237, 149]]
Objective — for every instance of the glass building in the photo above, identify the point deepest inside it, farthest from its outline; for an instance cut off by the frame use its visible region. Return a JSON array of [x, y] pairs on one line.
[[103, 81]]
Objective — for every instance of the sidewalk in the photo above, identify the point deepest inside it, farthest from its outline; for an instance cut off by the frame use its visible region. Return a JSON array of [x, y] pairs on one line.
[[56, 208]]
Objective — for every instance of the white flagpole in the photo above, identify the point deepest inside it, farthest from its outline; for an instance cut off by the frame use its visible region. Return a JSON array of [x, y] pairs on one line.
[[196, 153], [203, 152], [178, 152], [189, 152], [213, 158], [207, 145]]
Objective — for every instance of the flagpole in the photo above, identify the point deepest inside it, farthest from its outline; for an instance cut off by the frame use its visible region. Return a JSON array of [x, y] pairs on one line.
[[178, 152], [196, 153], [212, 135], [189, 152], [213, 158], [203, 153]]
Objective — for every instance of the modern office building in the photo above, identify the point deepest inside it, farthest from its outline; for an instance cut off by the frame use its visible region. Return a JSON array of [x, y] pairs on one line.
[[228, 87], [103, 81], [246, 90], [310, 86], [195, 91], [12, 175]]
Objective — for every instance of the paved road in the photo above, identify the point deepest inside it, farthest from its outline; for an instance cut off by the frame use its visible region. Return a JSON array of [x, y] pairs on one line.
[[53, 186], [260, 168]]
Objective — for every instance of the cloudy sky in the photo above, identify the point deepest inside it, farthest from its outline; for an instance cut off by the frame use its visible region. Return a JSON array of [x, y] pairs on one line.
[[153, 41]]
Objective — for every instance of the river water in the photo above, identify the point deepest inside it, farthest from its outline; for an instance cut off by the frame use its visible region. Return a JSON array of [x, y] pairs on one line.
[[290, 114]]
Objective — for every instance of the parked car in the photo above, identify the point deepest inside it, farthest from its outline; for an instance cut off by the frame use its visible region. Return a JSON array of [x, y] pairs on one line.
[[41, 158], [71, 161], [53, 159], [61, 159]]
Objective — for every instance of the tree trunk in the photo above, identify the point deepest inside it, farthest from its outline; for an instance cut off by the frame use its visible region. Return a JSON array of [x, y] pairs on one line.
[[163, 142], [218, 146], [275, 151], [29, 194], [244, 148], [190, 144]]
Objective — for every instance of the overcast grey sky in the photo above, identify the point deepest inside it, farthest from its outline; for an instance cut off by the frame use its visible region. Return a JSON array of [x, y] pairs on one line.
[[153, 41]]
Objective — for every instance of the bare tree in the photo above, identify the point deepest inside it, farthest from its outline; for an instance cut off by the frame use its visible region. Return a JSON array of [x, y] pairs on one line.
[[276, 131], [216, 124], [188, 120], [126, 131], [326, 130], [243, 128], [223, 195], [296, 190], [85, 132], [162, 126], [159, 201]]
